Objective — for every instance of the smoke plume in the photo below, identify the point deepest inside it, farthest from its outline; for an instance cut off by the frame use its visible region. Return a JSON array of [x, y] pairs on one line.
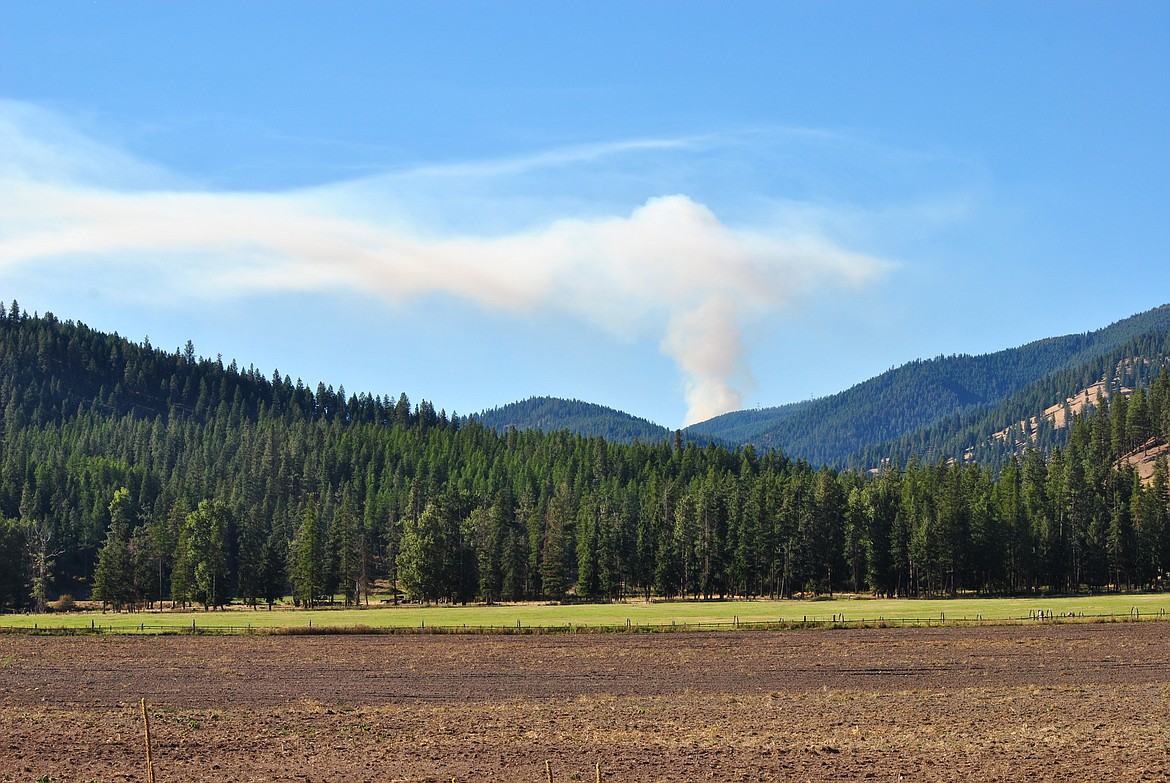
[[669, 268]]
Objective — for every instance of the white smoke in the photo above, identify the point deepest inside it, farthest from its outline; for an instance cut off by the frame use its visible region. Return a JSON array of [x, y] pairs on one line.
[[668, 267]]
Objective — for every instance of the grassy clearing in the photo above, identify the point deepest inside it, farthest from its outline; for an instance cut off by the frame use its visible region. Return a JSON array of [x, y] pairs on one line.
[[848, 610]]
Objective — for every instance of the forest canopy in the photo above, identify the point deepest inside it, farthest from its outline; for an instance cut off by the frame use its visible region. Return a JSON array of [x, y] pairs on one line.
[[135, 475]]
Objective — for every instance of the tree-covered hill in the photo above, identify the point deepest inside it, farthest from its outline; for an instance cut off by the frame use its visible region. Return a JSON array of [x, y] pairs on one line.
[[991, 434], [136, 475], [582, 418], [929, 406], [549, 414]]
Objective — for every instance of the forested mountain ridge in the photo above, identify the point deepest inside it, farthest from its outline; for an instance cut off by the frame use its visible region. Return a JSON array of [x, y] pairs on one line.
[[582, 418], [550, 414], [926, 406], [137, 475], [1036, 416]]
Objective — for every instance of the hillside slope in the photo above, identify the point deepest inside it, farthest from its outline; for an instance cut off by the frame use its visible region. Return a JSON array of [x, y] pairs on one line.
[[583, 418], [1036, 415], [935, 397]]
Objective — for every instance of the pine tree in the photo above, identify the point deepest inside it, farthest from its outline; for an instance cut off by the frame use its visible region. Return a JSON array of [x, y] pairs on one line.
[[309, 562], [613, 551], [250, 541], [588, 578], [12, 562], [113, 581], [348, 543], [1137, 421], [532, 517], [880, 504], [1121, 543], [113, 577], [422, 555], [514, 547], [274, 573], [553, 578]]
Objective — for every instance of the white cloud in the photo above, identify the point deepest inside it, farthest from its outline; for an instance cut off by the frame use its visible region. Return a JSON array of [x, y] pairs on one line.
[[668, 268], [39, 146]]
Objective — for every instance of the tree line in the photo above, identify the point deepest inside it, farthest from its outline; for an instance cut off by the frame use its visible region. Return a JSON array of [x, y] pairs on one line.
[[138, 475]]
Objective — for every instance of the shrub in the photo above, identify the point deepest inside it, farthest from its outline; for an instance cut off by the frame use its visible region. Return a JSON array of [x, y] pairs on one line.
[[64, 603]]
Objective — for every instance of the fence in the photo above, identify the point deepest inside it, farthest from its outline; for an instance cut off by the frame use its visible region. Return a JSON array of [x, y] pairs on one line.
[[837, 621]]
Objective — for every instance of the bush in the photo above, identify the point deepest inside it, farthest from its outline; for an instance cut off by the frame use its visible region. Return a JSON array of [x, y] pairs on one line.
[[64, 603]]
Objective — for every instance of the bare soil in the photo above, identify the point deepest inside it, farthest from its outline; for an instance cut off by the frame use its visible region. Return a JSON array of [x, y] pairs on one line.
[[1043, 702]]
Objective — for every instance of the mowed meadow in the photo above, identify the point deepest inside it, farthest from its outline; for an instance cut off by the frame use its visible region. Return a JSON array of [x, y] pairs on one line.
[[658, 615]]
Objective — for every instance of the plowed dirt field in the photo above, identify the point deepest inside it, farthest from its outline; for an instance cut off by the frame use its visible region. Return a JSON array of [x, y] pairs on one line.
[[1073, 702]]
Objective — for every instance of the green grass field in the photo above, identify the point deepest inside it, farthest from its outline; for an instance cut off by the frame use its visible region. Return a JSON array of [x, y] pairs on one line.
[[849, 611]]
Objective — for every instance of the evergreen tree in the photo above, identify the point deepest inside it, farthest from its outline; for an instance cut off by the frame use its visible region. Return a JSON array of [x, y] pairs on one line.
[[348, 539], [588, 578], [609, 560], [880, 510], [250, 544], [113, 578], [113, 581], [428, 553], [1122, 541], [532, 516], [12, 559], [309, 562], [274, 573], [553, 577], [515, 563], [494, 535]]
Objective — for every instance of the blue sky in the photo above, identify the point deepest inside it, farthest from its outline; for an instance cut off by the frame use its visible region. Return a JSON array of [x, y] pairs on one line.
[[674, 209]]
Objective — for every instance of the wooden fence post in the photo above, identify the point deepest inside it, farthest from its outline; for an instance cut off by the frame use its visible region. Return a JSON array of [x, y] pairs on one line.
[[146, 732]]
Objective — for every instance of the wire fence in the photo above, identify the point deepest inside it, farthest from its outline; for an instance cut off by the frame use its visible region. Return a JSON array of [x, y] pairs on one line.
[[836, 621]]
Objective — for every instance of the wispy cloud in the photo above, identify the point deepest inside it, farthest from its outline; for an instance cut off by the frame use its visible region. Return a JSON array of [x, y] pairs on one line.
[[666, 267]]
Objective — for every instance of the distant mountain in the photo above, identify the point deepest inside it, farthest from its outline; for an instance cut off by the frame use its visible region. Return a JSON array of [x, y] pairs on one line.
[[1036, 415], [948, 405], [583, 418]]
